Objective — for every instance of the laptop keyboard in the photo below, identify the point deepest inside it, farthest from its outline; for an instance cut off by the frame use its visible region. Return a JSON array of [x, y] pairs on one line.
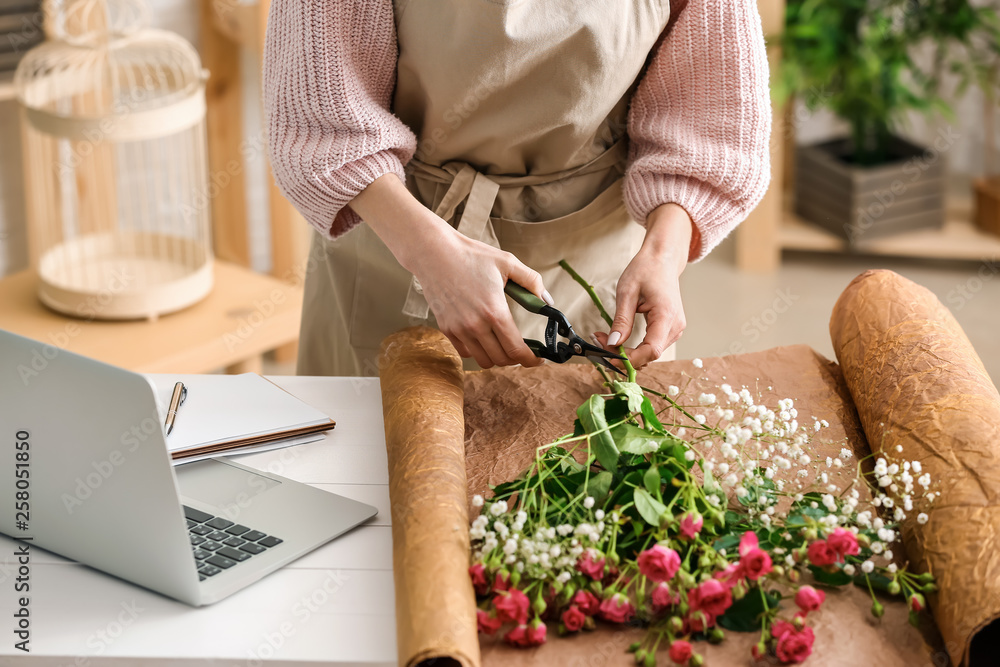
[[219, 544]]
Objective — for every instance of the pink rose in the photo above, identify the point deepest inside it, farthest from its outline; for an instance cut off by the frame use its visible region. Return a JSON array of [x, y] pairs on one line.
[[680, 651], [809, 599], [537, 633], [587, 602], [843, 542], [525, 636], [821, 554], [731, 575], [573, 619], [754, 561], [512, 606], [795, 646], [501, 582], [617, 609], [662, 598], [779, 628], [690, 525], [590, 567], [659, 563], [487, 624], [711, 597], [748, 542], [698, 621], [478, 575]]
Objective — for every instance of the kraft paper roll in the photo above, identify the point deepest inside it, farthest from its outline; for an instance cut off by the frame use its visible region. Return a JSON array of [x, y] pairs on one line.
[[422, 400], [918, 383]]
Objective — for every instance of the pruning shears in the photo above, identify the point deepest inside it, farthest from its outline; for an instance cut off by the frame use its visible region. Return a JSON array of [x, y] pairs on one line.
[[554, 349]]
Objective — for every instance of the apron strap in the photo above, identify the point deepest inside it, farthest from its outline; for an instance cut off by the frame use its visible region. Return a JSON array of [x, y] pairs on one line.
[[479, 193]]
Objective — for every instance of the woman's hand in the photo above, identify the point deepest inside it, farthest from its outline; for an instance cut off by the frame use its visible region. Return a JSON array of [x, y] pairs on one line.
[[650, 285], [462, 279]]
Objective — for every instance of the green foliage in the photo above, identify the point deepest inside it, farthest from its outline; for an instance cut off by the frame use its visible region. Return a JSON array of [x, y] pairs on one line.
[[745, 614], [591, 415], [856, 58], [649, 507]]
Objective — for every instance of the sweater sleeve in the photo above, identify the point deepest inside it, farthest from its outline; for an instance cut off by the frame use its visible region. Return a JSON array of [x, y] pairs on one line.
[[329, 73], [700, 121]]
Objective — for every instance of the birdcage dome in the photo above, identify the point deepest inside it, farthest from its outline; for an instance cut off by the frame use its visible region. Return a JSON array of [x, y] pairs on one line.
[[115, 162]]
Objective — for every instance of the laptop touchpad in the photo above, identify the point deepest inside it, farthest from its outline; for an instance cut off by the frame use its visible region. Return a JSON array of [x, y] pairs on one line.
[[221, 485]]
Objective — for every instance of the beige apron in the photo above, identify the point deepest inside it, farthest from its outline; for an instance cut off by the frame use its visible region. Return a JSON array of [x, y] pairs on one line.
[[519, 108]]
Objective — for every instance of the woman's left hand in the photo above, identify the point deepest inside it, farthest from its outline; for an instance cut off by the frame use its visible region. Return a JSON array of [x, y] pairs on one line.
[[650, 285]]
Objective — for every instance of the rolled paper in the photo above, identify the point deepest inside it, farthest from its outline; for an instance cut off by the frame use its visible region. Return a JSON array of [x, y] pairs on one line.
[[919, 385], [422, 401]]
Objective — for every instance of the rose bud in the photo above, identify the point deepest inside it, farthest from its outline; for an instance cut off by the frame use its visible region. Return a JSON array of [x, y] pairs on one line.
[[697, 660], [640, 656], [758, 650], [675, 624], [680, 651], [917, 602], [794, 575], [877, 609], [716, 635], [864, 540], [914, 619], [633, 647], [650, 660], [778, 571], [811, 534], [893, 587], [929, 588], [539, 605], [515, 578]]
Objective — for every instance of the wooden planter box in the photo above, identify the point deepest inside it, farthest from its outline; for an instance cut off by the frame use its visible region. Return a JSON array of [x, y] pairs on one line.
[[987, 215], [864, 203]]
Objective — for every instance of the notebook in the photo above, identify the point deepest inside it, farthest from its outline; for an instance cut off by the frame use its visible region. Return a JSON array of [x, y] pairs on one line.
[[235, 414]]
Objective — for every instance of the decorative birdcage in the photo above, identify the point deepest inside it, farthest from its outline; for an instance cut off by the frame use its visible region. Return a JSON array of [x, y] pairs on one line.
[[115, 158]]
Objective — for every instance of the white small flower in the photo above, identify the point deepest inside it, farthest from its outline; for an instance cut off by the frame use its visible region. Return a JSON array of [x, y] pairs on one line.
[[689, 455], [916, 466], [672, 390], [849, 569], [867, 566], [741, 492], [922, 518], [588, 502], [891, 567], [877, 547], [477, 500], [924, 480], [563, 577], [700, 419], [706, 399], [599, 515], [888, 554], [697, 363], [899, 448], [498, 508], [845, 453]]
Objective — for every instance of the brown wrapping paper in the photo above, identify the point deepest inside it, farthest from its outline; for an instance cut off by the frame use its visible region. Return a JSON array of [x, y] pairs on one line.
[[919, 384], [906, 364], [421, 377], [510, 411]]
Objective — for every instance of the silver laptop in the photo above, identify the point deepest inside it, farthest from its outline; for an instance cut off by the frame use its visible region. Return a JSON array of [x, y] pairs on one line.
[[85, 473]]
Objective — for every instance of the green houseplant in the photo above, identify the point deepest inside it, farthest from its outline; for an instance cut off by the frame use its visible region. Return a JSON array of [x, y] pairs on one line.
[[871, 62]]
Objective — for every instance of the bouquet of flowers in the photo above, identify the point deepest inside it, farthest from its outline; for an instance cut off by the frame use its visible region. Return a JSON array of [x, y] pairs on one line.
[[690, 512]]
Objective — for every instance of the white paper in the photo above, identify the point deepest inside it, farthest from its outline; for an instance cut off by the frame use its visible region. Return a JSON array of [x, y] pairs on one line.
[[222, 408]]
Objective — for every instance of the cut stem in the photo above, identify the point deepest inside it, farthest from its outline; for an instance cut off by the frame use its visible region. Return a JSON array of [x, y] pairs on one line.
[[629, 368]]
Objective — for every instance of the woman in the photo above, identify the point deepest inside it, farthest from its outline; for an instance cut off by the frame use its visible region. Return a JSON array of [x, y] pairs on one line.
[[485, 140]]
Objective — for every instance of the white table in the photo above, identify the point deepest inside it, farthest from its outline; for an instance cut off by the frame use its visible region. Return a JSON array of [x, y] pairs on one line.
[[334, 606]]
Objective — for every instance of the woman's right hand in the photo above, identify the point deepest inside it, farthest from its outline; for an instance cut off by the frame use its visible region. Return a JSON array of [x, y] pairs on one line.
[[462, 279]]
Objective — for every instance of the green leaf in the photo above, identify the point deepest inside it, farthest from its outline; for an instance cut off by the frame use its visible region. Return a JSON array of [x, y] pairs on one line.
[[634, 440], [745, 614], [632, 393], [649, 508], [838, 578], [651, 480], [727, 542], [598, 486], [650, 418], [591, 415]]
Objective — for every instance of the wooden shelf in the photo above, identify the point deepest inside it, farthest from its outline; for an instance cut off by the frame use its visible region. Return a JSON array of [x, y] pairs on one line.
[[959, 239], [6, 86]]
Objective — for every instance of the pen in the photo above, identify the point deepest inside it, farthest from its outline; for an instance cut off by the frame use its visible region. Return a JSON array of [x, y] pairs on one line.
[[176, 401]]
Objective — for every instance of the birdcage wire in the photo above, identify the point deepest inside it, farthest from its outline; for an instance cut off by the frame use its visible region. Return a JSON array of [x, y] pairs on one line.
[[113, 119]]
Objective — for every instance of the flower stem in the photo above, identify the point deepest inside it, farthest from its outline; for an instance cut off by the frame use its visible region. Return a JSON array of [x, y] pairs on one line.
[[604, 313]]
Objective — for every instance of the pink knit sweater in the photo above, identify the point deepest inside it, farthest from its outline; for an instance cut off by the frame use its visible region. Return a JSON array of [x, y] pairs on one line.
[[698, 124]]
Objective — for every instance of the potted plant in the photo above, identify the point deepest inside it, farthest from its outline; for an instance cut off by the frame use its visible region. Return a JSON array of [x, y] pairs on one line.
[[858, 58]]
